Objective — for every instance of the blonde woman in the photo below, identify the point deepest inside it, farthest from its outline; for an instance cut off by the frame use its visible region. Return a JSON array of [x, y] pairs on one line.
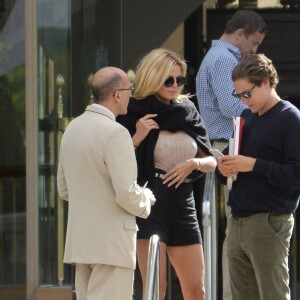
[[172, 151]]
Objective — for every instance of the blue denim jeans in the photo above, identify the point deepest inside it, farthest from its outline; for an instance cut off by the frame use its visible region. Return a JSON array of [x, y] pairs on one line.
[[258, 249]]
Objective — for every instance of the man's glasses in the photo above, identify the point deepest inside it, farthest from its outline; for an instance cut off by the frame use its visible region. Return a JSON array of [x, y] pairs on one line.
[[131, 89], [245, 94], [180, 80]]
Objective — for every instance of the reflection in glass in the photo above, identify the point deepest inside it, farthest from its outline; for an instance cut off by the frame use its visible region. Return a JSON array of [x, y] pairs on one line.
[[53, 19], [12, 145]]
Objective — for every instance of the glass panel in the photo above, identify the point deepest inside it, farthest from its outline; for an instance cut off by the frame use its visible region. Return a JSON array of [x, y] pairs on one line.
[[96, 43], [12, 145], [74, 40], [53, 21]]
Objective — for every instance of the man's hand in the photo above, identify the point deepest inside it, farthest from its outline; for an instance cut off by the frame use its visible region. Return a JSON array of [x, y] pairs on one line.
[[230, 165], [149, 194]]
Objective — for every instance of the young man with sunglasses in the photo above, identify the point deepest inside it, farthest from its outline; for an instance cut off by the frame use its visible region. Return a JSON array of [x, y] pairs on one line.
[[267, 189], [243, 33], [172, 150]]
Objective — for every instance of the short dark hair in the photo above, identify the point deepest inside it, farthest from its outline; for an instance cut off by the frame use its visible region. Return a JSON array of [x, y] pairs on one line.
[[256, 67], [248, 20]]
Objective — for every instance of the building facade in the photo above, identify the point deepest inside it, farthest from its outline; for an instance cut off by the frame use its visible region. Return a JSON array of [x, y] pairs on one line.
[[49, 51]]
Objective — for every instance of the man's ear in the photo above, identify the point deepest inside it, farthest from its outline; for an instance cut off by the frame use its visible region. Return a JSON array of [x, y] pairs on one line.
[[117, 96], [266, 81], [239, 33]]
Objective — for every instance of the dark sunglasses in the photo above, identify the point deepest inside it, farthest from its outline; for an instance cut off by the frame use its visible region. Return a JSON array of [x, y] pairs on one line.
[[245, 94], [180, 80], [131, 89]]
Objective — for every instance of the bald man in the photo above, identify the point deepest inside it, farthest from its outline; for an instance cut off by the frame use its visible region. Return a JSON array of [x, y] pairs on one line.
[[97, 175]]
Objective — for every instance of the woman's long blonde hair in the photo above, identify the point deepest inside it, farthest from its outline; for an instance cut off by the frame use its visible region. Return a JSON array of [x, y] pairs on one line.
[[153, 70]]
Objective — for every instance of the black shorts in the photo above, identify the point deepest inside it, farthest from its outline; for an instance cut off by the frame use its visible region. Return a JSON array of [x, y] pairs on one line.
[[173, 217]]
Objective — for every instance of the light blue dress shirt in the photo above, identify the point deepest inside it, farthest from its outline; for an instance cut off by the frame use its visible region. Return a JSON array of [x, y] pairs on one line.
[[214, 89]]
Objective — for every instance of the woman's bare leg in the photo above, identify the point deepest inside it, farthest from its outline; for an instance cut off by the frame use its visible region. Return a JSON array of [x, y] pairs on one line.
[[188, 262]]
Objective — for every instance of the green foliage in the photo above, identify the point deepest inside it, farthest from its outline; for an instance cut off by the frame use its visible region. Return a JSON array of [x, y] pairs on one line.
[[4, 47], [12, 117]]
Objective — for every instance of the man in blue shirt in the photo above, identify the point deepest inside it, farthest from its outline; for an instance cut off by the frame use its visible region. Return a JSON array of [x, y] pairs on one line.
[[243, 33]]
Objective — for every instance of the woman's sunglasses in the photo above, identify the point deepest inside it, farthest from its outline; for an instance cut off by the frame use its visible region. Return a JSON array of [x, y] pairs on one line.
[[180, 80]]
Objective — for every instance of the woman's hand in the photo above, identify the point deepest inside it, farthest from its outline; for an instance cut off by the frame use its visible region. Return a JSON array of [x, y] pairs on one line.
[[143, 127], [179, 173]]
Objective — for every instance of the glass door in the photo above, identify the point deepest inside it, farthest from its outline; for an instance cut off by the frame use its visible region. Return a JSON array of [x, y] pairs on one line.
[[54, 85], [75, 38], [12, 150]]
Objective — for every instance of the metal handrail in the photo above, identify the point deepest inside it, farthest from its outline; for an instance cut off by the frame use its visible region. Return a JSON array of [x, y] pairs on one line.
[[152, 279], [210, 236]]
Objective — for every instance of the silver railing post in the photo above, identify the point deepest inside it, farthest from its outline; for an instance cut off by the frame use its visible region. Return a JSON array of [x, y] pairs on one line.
[[209, 221], [152, 280]]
